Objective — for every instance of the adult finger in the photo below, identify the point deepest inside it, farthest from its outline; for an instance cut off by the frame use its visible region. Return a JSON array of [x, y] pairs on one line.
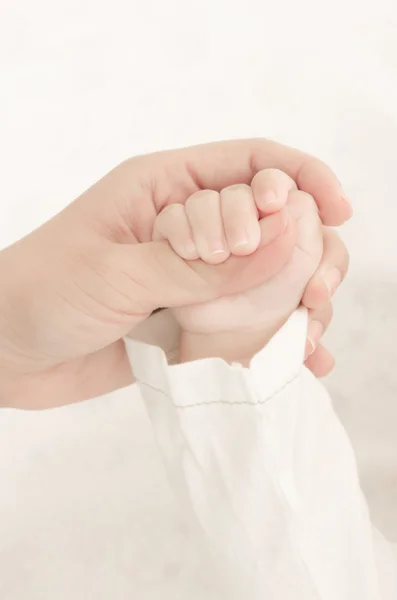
[[319, 321], [321, 362], [124, 204], [153, 275], [217, 165], [330, 273]]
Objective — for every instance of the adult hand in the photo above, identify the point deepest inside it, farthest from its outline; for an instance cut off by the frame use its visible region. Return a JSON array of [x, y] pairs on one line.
[[73, 288], [318, 298]]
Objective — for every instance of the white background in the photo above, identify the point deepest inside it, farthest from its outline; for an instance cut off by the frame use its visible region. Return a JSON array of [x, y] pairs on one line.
[[85, 84]]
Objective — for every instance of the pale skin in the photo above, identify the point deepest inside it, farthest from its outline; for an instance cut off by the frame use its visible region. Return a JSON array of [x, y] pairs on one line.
[[212, 226], [72, 289]]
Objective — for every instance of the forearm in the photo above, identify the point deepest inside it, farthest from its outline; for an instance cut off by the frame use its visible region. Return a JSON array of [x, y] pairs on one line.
[[20, 377], [12, 377], [67, 383]]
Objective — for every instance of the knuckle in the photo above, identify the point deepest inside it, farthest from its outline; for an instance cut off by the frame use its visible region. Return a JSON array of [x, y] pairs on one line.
[[166, 217], [237, 188], [323, 314], [199, 198]]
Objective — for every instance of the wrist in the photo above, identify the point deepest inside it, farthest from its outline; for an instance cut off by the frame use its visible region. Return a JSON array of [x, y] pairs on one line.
[[237, 346]]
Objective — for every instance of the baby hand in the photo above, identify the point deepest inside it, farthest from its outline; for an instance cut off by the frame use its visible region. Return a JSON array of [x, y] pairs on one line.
[[212, 226]]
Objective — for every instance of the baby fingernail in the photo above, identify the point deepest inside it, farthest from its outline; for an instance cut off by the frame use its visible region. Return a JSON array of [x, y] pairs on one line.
[[248, 241], [332, 280], [213, 252], [190, 250], [217, 251], [243, 241], [269, 200], [243, 247], [314, 332]]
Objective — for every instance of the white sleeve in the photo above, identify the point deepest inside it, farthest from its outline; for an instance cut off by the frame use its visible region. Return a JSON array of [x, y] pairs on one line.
[[264, 474]]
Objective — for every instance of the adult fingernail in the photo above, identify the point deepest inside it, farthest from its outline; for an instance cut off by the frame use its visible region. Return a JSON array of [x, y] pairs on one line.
[[332, 280], [310, 348], [348, 202], [314, 332]]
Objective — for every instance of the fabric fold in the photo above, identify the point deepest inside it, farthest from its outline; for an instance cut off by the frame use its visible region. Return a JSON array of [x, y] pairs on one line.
[[263, 472]]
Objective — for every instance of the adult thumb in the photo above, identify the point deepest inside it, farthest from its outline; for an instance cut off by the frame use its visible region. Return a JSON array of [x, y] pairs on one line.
[[158, 277]]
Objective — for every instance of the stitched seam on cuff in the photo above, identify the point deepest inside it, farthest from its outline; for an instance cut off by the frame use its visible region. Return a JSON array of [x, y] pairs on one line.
[[226, 402]]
